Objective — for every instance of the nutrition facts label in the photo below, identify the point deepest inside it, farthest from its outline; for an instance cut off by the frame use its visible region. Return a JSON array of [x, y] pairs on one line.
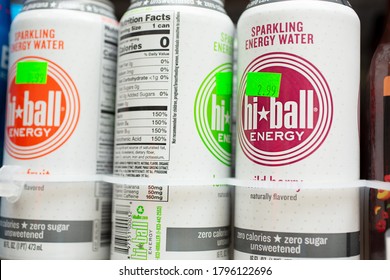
[[107, 101], [144, 100]]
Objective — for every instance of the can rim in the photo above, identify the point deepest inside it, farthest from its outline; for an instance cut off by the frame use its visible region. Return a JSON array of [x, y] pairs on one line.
[[105, 2], [220, 2]]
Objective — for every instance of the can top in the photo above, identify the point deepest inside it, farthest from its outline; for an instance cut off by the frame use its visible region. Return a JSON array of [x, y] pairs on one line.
[[101, 7], [220, 2], [105, 2], [254, 3], [218, 5]]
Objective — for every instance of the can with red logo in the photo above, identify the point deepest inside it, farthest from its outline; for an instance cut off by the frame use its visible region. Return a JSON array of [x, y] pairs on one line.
[[298, 122], [60, 103]]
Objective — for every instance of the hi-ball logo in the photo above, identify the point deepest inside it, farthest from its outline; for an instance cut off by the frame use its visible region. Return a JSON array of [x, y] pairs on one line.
[[220, 114], [139, 236], [40, 114], [212, 112], [281, 114], [43, 108], [281, 130]]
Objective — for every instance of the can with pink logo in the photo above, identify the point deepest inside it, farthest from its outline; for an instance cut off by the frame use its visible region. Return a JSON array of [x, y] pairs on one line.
[[297, 121]]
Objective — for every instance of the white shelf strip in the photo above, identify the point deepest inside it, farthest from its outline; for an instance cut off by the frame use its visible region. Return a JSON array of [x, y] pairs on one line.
[[12, 180]]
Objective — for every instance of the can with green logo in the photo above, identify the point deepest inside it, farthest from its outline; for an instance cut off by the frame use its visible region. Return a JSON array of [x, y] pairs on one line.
[[173, 116]]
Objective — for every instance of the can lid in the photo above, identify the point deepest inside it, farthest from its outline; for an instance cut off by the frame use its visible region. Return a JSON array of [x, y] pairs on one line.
[[211, 4], [253, 3], [221, 2], [105, 2], [101, 7]]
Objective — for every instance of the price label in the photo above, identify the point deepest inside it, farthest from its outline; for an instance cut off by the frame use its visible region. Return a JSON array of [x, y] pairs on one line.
[[224, 83], [31, 72], [263, 84]]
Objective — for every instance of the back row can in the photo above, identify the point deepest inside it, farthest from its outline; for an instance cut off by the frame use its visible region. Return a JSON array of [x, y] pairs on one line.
[[174, 92], [60, 118], [298, 70]]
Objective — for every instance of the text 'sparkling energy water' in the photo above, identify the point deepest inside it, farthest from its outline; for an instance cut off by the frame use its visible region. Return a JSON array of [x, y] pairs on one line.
[[298, 79], [173, 106], [60, 119]]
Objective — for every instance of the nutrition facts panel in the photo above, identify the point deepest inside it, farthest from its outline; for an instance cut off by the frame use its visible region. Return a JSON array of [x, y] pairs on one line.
[[145, 71]]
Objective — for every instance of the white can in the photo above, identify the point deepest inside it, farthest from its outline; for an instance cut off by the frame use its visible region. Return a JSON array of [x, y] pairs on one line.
[[57, 221], [171, 222], [173, 106], [298, 121], [168, 108], [61, 90]]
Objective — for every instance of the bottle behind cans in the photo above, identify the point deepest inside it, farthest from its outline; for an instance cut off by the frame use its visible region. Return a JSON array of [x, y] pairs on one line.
[[60, 118], [5, 22], [173, 106], [377, 163], [298, 71]]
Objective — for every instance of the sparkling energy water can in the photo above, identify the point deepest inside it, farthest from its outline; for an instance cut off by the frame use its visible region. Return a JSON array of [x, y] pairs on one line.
[[298, 71], [5, 22], [57, 221], [173, 106], [60, 122]]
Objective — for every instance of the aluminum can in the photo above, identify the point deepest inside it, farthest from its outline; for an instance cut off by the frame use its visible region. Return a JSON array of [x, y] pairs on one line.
[[5, 22], [171, 222], [173, 112], [298, 71], [61, 92], [57, 221]]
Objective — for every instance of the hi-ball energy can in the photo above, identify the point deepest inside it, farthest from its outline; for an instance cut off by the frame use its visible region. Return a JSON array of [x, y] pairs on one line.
[[60, 105], [173, 106], [298, 70], [57, 221], [170, 222]]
